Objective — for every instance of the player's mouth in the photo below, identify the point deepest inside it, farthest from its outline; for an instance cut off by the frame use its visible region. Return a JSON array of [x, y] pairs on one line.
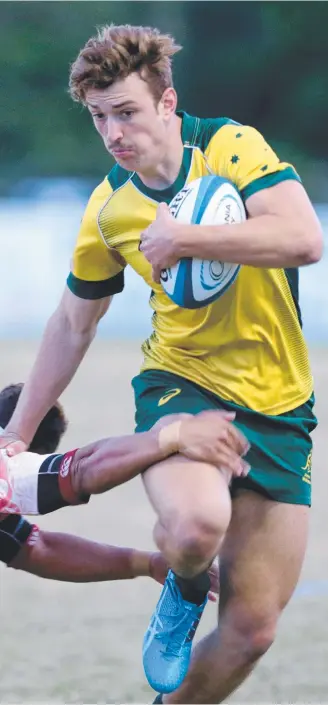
[[122, 153]]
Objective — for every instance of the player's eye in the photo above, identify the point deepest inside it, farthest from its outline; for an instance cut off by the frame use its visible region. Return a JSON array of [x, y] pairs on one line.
[[99, 116], [127, 114]]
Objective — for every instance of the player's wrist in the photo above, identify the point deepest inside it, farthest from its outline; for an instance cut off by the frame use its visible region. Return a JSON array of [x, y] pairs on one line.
[[169, 438], [140, 563], [187, 237], [13, 433]]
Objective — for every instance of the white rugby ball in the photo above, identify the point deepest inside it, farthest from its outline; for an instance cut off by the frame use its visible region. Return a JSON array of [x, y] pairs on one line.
[[210, 200]]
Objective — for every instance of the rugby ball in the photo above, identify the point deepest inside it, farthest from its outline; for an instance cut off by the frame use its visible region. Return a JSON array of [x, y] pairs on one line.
[[209, 200]]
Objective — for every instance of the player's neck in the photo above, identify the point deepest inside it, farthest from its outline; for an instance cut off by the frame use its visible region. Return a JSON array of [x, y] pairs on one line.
[[166, 169]]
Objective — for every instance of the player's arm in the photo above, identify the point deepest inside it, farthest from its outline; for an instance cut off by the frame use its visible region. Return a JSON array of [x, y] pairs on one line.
[[65, 557], [66, 339], [282, 230], [96, 275], [70, 558], [39, 484], [208, 436]]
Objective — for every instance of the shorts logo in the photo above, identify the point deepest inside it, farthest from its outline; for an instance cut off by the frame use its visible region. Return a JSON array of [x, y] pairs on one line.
[[308, 469], [65, 466], [169, 395]]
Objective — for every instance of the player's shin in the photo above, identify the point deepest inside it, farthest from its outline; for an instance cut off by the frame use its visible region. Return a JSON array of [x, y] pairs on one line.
[[189, 542]]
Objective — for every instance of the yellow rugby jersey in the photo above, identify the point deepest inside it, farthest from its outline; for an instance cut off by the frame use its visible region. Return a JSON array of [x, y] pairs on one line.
[[247, 346]]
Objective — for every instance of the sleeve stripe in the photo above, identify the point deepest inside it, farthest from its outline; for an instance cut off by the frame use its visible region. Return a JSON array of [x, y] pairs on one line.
[[269, 180], [95, 289]]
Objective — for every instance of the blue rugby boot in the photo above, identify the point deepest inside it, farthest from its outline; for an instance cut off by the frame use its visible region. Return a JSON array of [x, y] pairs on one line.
[[168, 640]]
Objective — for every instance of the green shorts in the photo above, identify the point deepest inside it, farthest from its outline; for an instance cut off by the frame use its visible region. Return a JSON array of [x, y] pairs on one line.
[[281, 448]]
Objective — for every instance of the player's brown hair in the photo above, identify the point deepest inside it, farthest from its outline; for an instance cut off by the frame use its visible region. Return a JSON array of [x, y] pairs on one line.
[[119, 50], [51, 429]]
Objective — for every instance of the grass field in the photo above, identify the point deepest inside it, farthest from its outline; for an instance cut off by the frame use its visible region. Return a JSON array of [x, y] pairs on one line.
[[82, 644]]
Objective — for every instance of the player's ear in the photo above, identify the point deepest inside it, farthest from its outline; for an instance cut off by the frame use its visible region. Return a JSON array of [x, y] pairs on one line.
[[168, 103]]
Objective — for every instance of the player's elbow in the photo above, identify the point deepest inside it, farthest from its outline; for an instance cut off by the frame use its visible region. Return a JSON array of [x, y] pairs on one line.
[[310, 245], [83, 472], [77, 318], [32, 556]]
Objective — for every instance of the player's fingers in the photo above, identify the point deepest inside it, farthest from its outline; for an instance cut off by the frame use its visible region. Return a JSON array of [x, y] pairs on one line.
[[214, 415], [246, 469], [237, 440], [15, 448], [156, 275], [226, 458], [217, 424], [162, 209], [216, 453], [215, 579]]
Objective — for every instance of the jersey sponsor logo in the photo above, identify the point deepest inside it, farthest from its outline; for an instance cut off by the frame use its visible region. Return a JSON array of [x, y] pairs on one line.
[[307, 477], [65, 466], [169, 395]]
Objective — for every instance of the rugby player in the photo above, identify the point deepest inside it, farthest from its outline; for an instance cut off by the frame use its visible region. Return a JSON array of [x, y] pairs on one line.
[[245, 353], [35, 483]]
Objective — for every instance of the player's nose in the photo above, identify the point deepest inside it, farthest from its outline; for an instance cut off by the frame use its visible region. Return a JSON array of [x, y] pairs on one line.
[[113, 133]]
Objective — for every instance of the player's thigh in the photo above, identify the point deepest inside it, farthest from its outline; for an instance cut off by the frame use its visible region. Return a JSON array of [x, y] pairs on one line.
[[261, 557], [181, 490]]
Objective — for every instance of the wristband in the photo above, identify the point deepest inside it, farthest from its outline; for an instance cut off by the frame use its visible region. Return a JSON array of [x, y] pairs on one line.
[[169, 438]]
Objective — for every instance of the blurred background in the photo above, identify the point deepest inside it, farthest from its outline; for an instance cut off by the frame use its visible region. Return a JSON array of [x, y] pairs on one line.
[[261, 63]]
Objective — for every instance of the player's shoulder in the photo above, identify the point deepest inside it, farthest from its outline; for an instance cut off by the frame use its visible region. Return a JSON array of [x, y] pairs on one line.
[[199, 131], [211, 128], [211, 133]]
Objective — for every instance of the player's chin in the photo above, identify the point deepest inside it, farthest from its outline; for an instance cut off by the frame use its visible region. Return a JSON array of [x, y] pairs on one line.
[[127, 160]]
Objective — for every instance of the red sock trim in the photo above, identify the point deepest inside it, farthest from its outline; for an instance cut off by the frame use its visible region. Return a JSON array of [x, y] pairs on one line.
[[65, 479]]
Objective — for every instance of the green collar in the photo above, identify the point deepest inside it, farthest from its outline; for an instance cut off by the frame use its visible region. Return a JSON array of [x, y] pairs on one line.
[[189, 129]]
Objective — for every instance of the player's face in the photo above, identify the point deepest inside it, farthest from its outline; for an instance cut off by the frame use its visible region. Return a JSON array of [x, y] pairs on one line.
[[133, 126]]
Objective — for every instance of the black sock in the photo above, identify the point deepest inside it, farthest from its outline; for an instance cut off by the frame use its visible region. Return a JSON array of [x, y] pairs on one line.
[[194, 589]]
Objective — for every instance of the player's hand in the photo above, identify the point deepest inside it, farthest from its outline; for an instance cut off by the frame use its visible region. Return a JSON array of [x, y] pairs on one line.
[[12, 443], [211, 437], [159, 242], [158, 568]]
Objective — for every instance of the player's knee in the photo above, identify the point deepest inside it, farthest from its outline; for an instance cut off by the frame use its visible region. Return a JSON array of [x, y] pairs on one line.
[[196, 537], [254, 631], [259, 639]]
